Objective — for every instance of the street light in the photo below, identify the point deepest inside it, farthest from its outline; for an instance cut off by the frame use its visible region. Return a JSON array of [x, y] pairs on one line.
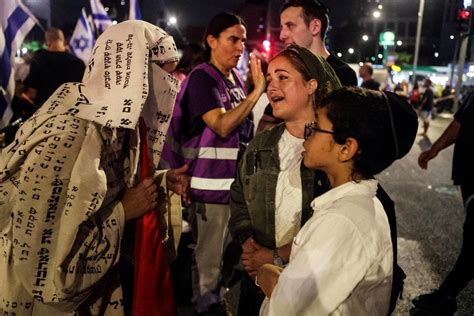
[[399, 43], [418, 38], [351, 50], [172, 20], [365, 38], [339, 55], [376, 14]]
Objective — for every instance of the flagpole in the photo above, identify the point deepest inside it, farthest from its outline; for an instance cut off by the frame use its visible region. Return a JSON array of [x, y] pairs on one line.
[[27, 10], [23, 22], [94, 27]]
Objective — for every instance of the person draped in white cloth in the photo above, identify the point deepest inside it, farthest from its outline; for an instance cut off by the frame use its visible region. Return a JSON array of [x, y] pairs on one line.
[[69, 180]]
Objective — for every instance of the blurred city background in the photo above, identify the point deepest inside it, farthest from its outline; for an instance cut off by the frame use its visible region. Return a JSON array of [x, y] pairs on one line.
[[381, 32], [406, 41]]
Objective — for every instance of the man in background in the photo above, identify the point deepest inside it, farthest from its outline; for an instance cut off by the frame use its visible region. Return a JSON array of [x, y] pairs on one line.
[[426, 105], [460, 132], [51, 67], [305, 23], [366, 71]]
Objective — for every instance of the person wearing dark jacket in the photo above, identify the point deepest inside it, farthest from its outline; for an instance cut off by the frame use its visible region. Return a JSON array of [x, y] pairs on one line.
[[460, 132], [52, 67], [366, 71]]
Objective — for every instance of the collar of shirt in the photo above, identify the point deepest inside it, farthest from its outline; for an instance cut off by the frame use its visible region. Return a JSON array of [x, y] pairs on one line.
[[363, 187]]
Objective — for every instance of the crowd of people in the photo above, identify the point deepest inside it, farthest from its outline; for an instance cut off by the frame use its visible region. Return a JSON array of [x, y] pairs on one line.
[[112, 157]]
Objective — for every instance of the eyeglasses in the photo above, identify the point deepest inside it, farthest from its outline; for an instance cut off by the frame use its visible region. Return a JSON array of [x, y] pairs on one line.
[[312, 127]]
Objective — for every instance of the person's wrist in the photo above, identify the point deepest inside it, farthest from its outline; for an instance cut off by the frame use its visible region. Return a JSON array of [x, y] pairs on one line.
[[277, 260]]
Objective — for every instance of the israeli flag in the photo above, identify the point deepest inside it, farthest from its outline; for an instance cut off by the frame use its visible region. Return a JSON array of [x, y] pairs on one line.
[[99, 15], [17, 21], [82, 39], [134, 11]]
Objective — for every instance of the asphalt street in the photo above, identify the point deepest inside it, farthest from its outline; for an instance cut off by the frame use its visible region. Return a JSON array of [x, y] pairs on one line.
[[430, 216]]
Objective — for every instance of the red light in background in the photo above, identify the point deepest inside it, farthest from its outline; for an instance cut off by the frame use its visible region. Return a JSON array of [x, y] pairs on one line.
[[464, 14], [267, 45]]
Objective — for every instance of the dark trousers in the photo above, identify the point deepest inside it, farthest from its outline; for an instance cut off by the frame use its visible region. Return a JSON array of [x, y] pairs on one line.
[[463, 271], [251, 297]]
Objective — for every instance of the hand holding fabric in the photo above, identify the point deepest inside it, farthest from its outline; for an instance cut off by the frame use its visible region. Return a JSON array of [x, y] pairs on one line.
[[257, 74], [140, 199]]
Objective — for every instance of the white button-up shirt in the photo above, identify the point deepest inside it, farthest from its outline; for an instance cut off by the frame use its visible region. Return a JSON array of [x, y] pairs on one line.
[[341, 261]]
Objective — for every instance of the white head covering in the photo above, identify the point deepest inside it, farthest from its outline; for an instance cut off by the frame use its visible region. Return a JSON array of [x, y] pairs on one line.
[[122, 81], [116, 80], [66, 180]]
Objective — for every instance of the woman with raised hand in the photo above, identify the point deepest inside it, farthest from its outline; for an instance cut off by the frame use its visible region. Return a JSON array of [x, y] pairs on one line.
[[210, 129]]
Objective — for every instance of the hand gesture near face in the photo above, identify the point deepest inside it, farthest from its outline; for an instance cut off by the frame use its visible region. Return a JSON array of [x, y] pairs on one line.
[[257, 74]]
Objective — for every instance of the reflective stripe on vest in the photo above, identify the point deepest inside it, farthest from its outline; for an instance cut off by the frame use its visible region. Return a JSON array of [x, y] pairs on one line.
[[212, 160], [210, 184]]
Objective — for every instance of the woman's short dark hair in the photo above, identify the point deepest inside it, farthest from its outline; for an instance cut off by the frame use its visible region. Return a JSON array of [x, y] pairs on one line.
[[217, 25], [363, 115]]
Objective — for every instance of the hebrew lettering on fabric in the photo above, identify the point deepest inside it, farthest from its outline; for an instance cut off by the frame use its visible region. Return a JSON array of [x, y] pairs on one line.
[[61, 180]]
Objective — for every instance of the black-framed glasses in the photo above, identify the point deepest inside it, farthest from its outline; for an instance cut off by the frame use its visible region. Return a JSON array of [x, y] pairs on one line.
[[312, 127]]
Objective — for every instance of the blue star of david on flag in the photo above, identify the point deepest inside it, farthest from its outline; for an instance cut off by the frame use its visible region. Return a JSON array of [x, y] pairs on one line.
[[82, 39], [81, 43]]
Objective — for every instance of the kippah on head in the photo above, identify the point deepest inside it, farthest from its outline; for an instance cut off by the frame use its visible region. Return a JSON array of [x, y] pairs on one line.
[[317, 66], [403, 125], [384, 125]]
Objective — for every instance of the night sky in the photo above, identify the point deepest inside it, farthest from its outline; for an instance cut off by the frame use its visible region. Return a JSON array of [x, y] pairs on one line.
[[192, 16], [64, 13]]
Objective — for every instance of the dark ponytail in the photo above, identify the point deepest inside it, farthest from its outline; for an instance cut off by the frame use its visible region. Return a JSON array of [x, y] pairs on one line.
[[217, 25]]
